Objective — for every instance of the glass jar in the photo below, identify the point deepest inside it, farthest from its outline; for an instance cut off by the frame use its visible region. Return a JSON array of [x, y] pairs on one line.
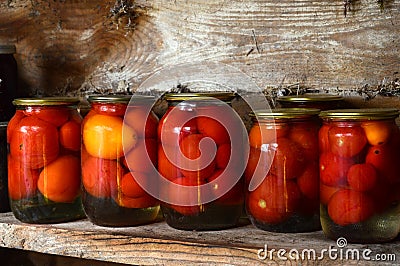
[[119, 134], [282, 178], [4, 202], [8, 81], [359, 174], [44, 174], [312, 100], [197, 156]]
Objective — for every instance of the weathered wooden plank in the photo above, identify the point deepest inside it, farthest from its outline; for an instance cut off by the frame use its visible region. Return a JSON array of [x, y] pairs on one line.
[[157, 244], [71, 47]]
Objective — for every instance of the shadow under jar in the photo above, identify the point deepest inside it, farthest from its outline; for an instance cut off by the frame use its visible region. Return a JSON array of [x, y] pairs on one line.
[[119, 148], [201, 157], [282, 181], [44, 173], [359, 174]]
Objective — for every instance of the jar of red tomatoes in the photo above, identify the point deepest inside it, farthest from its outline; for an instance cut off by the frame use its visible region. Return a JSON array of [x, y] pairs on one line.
[[200, 154], [320, 101], [44, 174], [119, 148], [359, 174], [282, 178]]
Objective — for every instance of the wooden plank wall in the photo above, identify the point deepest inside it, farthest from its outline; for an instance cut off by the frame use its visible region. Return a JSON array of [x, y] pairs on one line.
[[76, 47]]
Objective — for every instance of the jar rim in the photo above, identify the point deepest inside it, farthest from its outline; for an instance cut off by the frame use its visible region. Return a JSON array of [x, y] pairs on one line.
[[310, 97], [7, 49], [184, 96], [118, 98], [283, 113], [363, 113], [46, 101]]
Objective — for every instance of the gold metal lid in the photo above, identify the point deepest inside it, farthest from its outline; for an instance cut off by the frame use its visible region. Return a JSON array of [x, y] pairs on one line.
[[285, 113], [361, 114], [7, 49], [46, 101], [223, 96], [118, 98], [310, 97]]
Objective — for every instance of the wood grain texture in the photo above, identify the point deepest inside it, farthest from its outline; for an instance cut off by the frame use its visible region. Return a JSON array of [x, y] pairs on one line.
[[158, 244], [78, 47]]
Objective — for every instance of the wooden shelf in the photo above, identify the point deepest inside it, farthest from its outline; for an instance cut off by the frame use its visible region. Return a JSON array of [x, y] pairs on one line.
[[157, 243]]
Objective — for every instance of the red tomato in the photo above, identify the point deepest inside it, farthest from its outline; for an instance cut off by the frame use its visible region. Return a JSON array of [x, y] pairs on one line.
[[308, 182], [34, 142], [289, 160], [190, 147], [54, 115], [234, 196], [262, 133], [22, 181], [333, 169], [142, 157], [114, 109], [274, 200], [385, 159], [145, 124], [260, 158], [362, 177], [172, 127], [326, 193], [223, 155], [306, 136], [349, 207], [347, 141], [130, 187], [165, 167], [176, 194], [70, 135], [13, 123], [323, 138], [99, 176], [212, 128]]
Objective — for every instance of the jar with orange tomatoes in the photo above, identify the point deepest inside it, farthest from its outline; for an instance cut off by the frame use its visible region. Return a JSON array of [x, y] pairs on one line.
[[282, 188], [359, 174], [201, 160], [44, 174], [119, 154]]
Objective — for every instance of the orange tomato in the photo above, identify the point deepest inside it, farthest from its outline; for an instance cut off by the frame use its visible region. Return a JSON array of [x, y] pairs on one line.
[[34, 142], [103, 136], [70, 135], [99, 176], [143, 157], [60, 180], [145, 125], [22, 181], [13, 123], [378, 132], [137, 203]]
